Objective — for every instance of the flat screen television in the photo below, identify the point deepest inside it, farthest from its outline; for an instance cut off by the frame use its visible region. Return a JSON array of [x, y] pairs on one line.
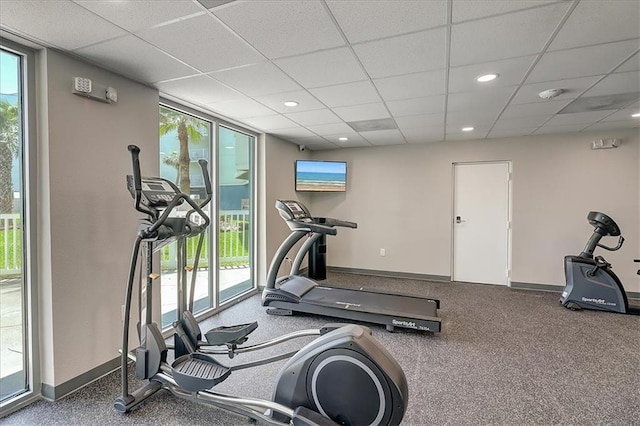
[[321, 176]]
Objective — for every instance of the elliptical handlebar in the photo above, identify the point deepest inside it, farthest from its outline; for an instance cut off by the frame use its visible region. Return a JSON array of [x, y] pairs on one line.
[[172, 192], [137, 180]]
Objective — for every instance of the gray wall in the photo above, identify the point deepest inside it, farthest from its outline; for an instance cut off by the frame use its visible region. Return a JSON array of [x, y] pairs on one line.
[[401, 197], [86, 220]]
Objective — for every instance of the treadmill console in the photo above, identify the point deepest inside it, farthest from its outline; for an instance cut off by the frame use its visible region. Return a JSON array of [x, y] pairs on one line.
[[156, 192], [293, 210]]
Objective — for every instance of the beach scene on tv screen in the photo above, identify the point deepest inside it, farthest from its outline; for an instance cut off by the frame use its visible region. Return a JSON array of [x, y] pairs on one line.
[[327, 176]]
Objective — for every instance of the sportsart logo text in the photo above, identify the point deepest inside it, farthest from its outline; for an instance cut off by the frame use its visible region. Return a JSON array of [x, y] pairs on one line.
[[403, 323]]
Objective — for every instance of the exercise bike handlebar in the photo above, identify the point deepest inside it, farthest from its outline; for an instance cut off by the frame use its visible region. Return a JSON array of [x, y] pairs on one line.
[[620, 242]]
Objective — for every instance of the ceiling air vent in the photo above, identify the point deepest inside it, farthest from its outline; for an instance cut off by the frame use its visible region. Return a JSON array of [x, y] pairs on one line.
[[600, 103], [373, 125]]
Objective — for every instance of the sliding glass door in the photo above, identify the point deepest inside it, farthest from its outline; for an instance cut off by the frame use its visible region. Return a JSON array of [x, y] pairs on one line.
[[234, 212], [224, 266], [14, 308]]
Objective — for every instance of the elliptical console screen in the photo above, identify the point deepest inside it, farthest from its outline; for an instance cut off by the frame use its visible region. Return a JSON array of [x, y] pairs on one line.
[[156, 192]]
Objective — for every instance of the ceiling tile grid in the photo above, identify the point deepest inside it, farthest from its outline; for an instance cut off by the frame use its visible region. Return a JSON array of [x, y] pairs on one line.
[[412, 64]]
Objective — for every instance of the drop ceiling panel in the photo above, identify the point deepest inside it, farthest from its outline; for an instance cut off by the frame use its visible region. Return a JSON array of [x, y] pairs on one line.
[[506, 36], [464, 10], [572, 87], [361, 92], [510, 72], [624, 82], [415, 106], [531, 122], [510, 133], [368, 20], [136, 59], [472, 117], [559, 129], [362, 112], [624, 115], [534, 109], [623, 22], [480, 99], [294, 132], [342, 129], [312, 118], [455, 134], [633, 64], [270, 122], [276, 101], [325, 68], [200, 89], [422, 121], [241, 108], [355, 139], [384, 137], [577, 118], [275, 22], [194, 33], [611, 125], [135, 15], [428, 136], [405, 54], [258, 79], [582, 62], [57, 23], [411, 85]]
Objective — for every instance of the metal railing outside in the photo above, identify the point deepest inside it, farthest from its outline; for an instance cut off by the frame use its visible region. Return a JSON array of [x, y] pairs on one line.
[[10, 244]]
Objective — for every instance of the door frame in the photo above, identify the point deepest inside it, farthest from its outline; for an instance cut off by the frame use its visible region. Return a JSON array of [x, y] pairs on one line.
[[509, 164]]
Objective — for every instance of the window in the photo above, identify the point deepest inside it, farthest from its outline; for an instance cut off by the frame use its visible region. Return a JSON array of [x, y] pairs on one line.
[[224, 270]]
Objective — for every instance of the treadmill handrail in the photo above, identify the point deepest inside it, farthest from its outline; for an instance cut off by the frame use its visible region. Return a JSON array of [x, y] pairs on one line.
[[329, 221], [296, 225]]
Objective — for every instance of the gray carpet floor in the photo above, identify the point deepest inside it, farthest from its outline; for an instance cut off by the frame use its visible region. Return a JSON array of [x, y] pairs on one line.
[[504, 357]]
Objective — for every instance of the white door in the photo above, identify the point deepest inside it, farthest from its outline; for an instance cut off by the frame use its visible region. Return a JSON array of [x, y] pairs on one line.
[[481, 223]]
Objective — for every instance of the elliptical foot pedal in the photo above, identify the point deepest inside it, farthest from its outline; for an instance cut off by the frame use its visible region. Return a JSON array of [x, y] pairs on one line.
[[196, 372], [280, 311], [232, 335]]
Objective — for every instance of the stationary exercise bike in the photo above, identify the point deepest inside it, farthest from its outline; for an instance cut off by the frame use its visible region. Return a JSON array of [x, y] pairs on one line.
[[344, 376], [591, 283]]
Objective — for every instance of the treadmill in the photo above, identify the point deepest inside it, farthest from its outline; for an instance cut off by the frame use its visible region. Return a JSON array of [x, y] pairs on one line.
[[295, 293]]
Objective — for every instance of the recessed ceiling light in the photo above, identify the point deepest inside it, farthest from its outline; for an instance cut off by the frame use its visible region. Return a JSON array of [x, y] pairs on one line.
[[290, 103], [343, 138], [486, 77], [636, 115], [467, 129]]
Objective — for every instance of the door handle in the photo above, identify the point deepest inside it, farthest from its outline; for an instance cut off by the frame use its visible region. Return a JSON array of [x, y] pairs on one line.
[[459, 219]]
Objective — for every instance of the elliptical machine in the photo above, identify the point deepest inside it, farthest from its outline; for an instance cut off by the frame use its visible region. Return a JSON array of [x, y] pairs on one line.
[[591, 282], [342, 377]]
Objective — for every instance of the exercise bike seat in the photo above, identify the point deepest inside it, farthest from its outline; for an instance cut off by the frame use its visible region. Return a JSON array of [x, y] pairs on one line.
[[230, 335]]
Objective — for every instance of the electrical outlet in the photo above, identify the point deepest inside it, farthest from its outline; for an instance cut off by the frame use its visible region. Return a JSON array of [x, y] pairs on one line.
[[383, 252]]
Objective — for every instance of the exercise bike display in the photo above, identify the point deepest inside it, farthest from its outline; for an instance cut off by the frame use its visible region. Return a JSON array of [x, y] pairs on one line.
[[591, 282], [344, 376]]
